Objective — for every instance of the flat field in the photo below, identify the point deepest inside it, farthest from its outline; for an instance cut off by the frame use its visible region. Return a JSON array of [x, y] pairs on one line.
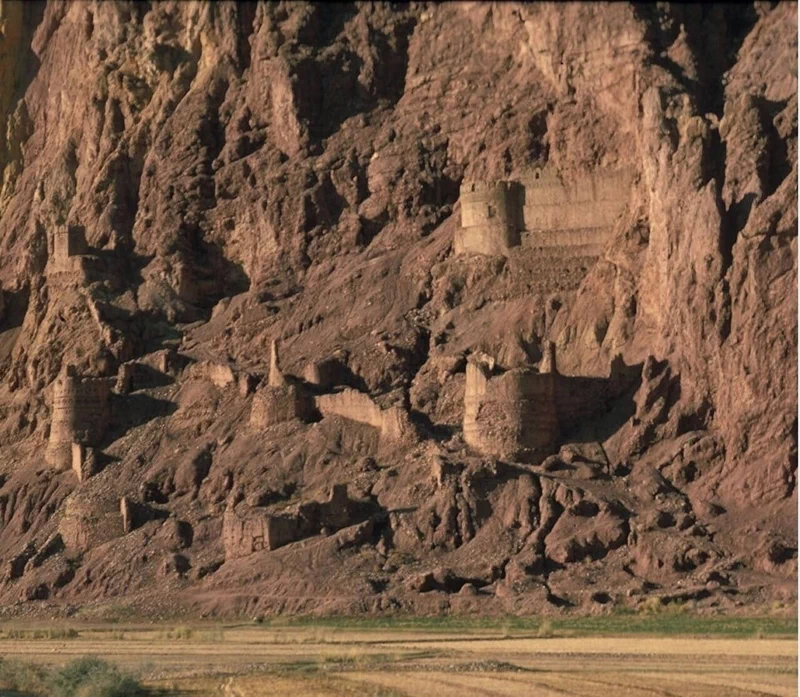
[[614, 656]]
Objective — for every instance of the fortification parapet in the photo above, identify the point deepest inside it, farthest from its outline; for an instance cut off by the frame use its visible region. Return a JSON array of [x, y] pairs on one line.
[[80, 414]]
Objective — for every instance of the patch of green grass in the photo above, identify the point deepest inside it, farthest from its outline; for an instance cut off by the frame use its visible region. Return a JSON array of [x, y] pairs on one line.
[[670, 619]]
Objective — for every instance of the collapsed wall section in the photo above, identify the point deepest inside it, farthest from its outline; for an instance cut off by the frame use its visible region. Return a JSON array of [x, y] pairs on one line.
[[394, 423]]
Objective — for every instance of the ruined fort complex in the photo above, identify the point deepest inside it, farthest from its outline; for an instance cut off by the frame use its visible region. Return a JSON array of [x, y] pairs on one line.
[[543, 212]]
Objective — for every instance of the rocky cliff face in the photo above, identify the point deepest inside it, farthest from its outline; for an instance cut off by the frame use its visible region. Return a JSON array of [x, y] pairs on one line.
[[249, 172]]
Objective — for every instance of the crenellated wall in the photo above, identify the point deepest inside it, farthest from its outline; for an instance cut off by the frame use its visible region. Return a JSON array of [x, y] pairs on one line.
[[80, 415]]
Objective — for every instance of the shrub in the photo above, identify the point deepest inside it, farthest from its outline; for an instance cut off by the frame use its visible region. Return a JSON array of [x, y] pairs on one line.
[[92, 677], [22, 677]]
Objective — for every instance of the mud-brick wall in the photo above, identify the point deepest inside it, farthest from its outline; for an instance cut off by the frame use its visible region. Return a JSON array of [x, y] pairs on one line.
[[393, 423], [242, 536], [591, 201]]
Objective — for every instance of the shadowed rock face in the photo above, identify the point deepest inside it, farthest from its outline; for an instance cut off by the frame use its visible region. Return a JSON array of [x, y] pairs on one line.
[[185, 184]]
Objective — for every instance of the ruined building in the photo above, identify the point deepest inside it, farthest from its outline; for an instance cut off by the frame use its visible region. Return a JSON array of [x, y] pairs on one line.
[[81, 414], [69, 250], [253, 530], [520, 414], [286, 398], [542, 212], [281, 399]]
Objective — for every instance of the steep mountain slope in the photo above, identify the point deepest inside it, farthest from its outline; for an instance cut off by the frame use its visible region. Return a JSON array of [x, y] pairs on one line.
[[286, 171]]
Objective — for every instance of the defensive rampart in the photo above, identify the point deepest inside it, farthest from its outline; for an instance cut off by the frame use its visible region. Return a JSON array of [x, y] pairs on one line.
[[542, 210]]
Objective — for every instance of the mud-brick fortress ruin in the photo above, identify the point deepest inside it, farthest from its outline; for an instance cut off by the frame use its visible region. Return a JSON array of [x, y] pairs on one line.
[[285, 398], [540, 211], [520, 414]]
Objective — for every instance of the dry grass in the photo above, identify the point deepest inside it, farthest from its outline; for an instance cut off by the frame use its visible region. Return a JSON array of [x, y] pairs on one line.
[[306, 661]]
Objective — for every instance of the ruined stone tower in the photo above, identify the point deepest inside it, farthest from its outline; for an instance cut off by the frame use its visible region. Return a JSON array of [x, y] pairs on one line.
[[520, 414], [510, 415], [80, 415], [280, 400]]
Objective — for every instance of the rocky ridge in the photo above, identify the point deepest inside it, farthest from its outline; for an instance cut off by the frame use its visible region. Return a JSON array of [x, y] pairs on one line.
[[245, 173]]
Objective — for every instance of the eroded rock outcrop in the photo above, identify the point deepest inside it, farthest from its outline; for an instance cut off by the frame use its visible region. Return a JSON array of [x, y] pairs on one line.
[[185, 183]]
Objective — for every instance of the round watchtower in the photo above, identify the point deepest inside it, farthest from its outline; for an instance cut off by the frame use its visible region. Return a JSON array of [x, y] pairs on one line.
[[512, 415], [80, 415], [491, 217]]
